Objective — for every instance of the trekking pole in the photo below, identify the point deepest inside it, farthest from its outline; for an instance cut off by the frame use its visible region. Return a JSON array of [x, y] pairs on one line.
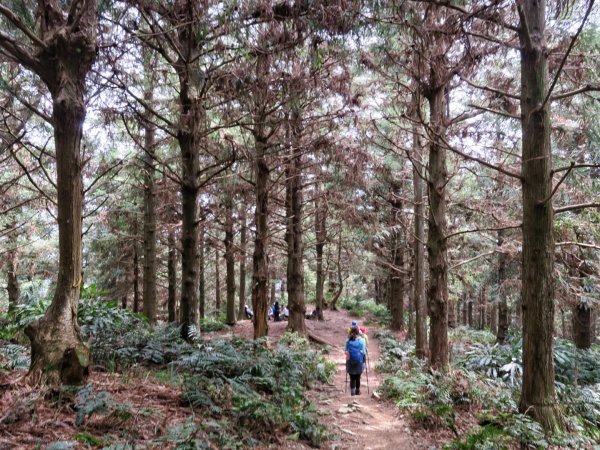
[[346, 383], [368, 377]]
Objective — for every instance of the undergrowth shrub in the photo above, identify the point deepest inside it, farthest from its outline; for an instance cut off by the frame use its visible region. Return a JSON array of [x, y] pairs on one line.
[[262, 388], [357, 306]]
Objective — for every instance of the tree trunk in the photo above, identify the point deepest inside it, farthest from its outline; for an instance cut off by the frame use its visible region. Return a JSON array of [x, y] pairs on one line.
[[503, 318], [217, 283], [538, 396], [172, 278], [242, 291], [340, 282], [201, 271], [470, 313], [321, 238], [293, 235], [482, 308], [12, 263], [581, 324], [494, 318], [190, 132], [136, 277], [260, 262], [452, 314], [437, 294], [229, 261], [149, 298], [396, 281], [419, 255], [57, 352]]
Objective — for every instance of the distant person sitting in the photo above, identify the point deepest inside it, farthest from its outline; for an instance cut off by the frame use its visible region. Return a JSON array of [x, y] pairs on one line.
[[286, 313], [314, 315], [248, 312]]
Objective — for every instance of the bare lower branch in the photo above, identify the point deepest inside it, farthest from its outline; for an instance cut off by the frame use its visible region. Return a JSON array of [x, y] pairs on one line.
[[586, 88], [578, 206], [566, 55], [17, 22], [543, 202], [467, 261], [478, 230], [495, 111], [579, 244]]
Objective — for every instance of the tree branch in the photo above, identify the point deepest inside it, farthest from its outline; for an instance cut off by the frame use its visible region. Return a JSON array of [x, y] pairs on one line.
[[564, 60], [476, 230], [578, 206], [543, 202], [17, 22]]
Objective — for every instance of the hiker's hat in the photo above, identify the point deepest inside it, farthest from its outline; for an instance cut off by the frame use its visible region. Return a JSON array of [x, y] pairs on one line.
[[354, 324], [363, 330]]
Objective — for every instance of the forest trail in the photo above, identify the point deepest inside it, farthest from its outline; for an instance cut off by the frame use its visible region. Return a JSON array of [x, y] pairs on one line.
[[359, 422]]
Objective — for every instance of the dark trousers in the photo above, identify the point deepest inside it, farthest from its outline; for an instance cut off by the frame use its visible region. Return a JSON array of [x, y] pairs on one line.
[[355, 382]]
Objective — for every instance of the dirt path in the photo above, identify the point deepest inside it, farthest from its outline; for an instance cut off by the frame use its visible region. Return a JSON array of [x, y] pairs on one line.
[[359, 422]]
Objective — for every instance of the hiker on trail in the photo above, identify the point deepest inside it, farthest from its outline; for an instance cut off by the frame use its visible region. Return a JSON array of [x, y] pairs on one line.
[[352, 325], [355, 359], [248, 312], [364, 337], [276, 312], [286, 313]]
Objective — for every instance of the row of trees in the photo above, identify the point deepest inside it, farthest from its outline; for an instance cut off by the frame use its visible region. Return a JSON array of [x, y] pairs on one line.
[[371, 132]]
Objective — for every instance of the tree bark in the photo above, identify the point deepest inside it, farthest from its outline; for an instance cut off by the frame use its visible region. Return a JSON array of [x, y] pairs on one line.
[[581, 324], [201, 271], [242, 290], [172, 278], [260, 262], [57, 352], [149, 296], [321, 238], [260, 258], [136, 277], [229, 261], [503, 317], [419, 255], [293, 235], [437, 294], [396, 282], [12, 281], [538, 396], [217, 283]]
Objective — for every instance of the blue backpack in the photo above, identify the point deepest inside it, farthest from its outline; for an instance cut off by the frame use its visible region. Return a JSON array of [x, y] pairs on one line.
[[355, 350]]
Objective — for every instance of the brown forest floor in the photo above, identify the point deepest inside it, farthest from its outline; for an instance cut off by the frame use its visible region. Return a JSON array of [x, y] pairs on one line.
[[31, 417]]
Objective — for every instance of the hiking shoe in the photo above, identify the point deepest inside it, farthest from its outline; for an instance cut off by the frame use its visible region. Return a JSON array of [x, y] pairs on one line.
[[358, 392], [352, 392]]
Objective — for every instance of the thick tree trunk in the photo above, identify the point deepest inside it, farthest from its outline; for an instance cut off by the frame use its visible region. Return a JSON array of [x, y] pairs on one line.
[[260, 262], [503, 317], [437, 294], [340, 282], [321, 238], [538, 396], [190, 133], [188, 144], [57, 352], [172, 278], [293, 235], [149, 298], [229, 261], [242, 290], [419, 255]]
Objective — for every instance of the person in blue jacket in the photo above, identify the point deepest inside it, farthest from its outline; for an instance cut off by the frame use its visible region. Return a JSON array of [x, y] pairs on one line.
[[355, 359]]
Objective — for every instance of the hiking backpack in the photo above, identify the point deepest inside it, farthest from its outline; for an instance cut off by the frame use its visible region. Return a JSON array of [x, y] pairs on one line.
[[356, 356]]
